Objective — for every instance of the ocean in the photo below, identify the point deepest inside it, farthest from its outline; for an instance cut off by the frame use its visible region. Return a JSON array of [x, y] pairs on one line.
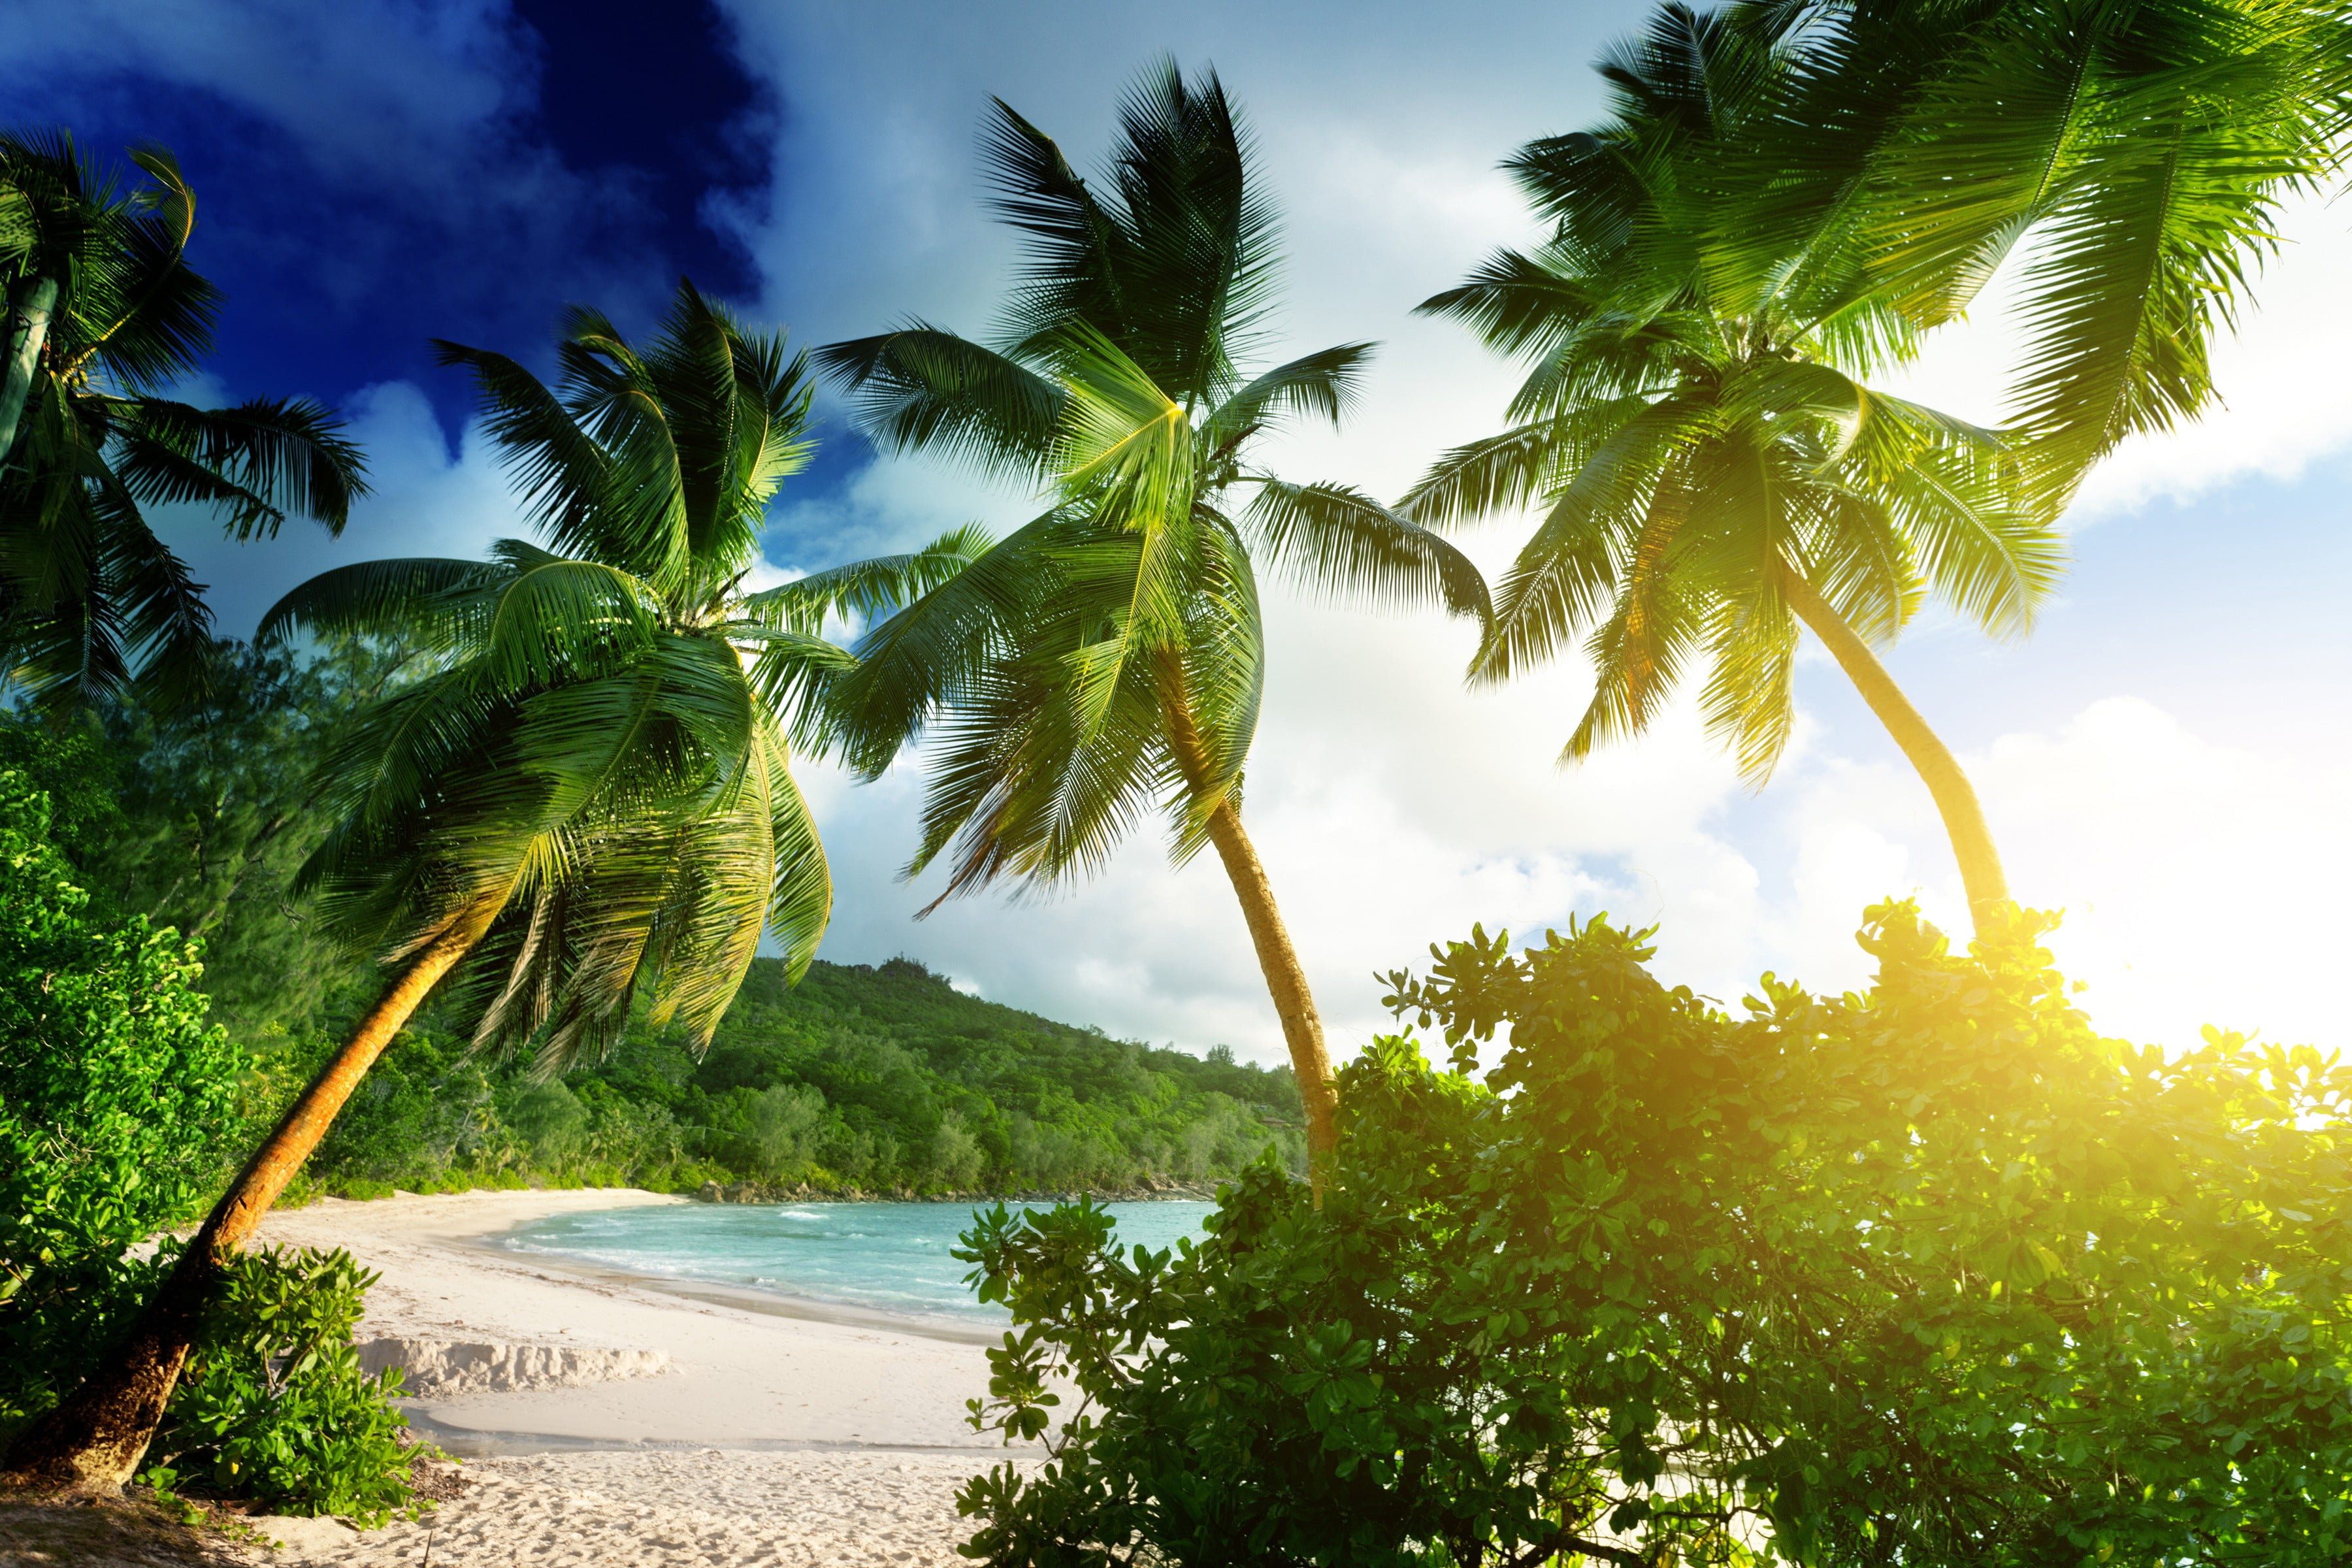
[[890, 1258]]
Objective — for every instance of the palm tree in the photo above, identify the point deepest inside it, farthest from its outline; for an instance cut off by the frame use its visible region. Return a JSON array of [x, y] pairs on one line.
[[103, 311], [589, 795], [1105, 659], [1715, 474], [2138, 151]]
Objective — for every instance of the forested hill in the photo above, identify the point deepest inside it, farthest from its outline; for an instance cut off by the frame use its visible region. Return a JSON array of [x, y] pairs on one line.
[[975, 1048], [873, 1079]]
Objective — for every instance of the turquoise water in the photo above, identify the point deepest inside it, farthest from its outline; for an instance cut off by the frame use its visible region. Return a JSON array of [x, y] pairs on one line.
[[880, 1258]]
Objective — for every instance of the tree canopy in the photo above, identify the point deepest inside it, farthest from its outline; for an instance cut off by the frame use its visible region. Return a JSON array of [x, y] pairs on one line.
[[1932, 1273]]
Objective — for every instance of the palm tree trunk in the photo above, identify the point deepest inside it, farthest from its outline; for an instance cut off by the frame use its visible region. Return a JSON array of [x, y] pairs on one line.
[[92, 1443], [1285, 981], [1956, 799], [30, 304], [1277, 960]]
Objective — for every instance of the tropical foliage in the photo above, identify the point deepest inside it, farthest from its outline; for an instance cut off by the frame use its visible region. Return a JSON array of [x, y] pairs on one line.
[[116, 1097], [1105, 662], [115, 1091], [104, 316], [2131, 159], [1928, 1274], [1712, 472], [877, 1080], [902, 1081], [585, 795], [275, 1407]]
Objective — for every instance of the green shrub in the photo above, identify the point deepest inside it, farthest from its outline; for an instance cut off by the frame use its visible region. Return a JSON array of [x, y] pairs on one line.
[[785, 1123], [273, 1405], [551, 1119], [1931, 1276], [115, 1101]]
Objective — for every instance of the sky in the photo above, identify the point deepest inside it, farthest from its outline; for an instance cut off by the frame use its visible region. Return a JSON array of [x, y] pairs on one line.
[[2165, 759]]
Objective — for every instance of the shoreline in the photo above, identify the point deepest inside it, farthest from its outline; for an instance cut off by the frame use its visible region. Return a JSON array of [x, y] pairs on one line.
[[744, 1365], [748, 1298], [771, 1430]]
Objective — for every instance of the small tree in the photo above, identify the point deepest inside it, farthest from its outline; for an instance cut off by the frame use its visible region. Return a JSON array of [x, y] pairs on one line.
[[1105, 663], [115, 1099], [1931, 1275], [590, 795], [103, 315]]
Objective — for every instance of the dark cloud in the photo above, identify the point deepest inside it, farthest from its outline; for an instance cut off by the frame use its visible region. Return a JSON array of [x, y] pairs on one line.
[[373, 175]]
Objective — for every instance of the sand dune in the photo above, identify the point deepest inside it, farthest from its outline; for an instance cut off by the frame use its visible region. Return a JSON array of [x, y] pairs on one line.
[[605, 1420]]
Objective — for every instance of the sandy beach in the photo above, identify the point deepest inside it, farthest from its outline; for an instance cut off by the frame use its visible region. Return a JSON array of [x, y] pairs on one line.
[[605, 1419]]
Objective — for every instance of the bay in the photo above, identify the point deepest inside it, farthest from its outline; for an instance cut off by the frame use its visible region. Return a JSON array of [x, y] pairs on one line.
[[886, 1258]]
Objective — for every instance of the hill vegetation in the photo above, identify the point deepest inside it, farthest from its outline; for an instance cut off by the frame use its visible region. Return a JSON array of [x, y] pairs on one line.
[[862, 1078]]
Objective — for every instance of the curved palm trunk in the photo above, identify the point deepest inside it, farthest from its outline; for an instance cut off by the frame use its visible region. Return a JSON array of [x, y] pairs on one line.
[[92, 1443], [1956, 799], [1285, 981], [1277, 960], [30, 304]]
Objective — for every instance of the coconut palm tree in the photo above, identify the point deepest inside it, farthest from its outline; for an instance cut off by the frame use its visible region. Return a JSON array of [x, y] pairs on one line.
[[103, 312], [1714, 472], [589, 796], [1104, 662], [2137, 152]]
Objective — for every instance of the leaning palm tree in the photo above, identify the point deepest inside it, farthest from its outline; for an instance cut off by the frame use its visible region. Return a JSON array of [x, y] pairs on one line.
[[1104, 661], [2138, 154], [589, 795], [103, 312], [1714, 473]]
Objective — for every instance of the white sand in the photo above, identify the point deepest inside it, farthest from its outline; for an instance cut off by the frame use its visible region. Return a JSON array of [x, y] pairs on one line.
[[668, 1509], [660, 1485]]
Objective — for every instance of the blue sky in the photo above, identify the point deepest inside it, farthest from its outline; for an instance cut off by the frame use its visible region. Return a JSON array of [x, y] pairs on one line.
[[2167, 757]]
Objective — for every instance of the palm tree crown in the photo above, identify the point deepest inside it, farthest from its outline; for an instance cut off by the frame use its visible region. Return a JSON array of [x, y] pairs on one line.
[[103, 312], [599, 751], [1109, 655], [1712, 467], [1105, 662], [2136, 153]]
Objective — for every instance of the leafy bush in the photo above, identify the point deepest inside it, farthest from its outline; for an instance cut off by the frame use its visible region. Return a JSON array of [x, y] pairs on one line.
[[1932, 1275], [551, 1119], [115, 1100], [273, 1405], [785, 1123]]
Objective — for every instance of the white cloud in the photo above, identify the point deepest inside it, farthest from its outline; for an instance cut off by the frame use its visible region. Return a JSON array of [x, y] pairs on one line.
[[407, 77], [2200, 883], [2278, 409], [426, 501], [1392, 808]]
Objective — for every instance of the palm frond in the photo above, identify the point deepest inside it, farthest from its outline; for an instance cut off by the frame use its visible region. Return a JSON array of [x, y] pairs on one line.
[[1336, 540], [449, 602], [867, 590], [922, 389], [1319, 385], [288, 454]]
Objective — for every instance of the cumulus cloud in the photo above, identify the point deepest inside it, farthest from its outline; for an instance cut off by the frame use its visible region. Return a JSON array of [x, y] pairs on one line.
[[427, 501], [2201, 882], [1391, 806], [2273, 417]]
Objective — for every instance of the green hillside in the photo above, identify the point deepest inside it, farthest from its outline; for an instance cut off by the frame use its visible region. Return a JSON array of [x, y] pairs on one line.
[[864, 1079], [873, 1078]]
